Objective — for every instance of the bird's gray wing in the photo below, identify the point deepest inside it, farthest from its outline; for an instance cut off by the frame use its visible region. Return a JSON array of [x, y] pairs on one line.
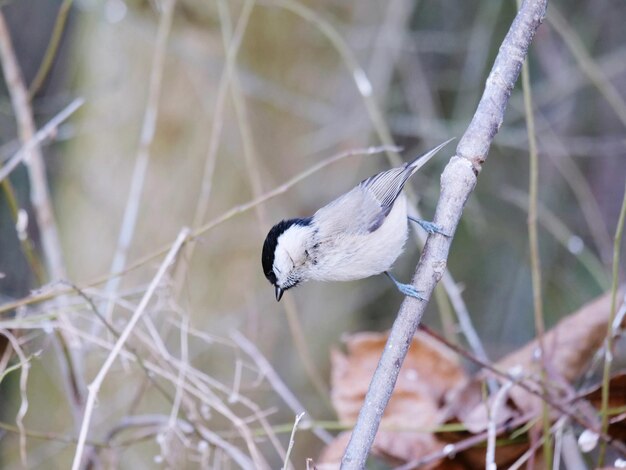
[[364, 209], [385, 187], [356, 212]]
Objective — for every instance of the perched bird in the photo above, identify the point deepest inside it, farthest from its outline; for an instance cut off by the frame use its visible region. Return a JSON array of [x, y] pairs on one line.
[[359, 234]]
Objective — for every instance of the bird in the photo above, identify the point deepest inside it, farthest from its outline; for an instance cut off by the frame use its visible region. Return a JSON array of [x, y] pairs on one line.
[[357, 235]]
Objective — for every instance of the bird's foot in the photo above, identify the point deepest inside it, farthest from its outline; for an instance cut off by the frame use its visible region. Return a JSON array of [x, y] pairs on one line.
[[429, 226], [406, 289]]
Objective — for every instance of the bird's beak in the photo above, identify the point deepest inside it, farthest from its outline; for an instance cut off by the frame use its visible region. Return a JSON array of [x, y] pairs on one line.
[[279, 293]]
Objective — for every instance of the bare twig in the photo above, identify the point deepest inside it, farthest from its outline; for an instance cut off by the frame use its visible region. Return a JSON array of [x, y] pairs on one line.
[[40, 136], [148, 129], [275, 381], [533, 241], [587, 64], [292, 441], [232, 49], [52, 49], [27, 244], [234, 452], [40, 200], [450, 450], [490, 455], [25, 367], [457, 182], [39, 193], [564, 409], [94, 387], [608, 353]]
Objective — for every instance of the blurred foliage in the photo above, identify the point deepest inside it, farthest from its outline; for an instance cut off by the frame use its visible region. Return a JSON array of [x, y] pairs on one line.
[[427, 62]]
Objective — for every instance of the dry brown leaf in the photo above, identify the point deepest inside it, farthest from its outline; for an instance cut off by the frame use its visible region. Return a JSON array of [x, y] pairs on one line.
[[569, 347], [428, 372]]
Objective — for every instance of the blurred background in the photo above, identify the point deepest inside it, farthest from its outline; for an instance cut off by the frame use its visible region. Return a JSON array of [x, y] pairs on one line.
[[192, 108]]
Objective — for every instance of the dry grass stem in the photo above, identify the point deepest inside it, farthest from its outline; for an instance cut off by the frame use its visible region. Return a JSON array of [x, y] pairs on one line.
[[46, 132], [21, 413], [148, 129], [275, 381], [292, 441], [500, 398], [39, 192], [611, 327], [95, 385]]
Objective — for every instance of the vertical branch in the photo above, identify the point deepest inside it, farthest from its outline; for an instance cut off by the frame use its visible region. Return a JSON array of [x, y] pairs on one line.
[[206, 186], [148, 129], [42, 206], [25, 366], [535, 257], [52, 49], [44, 133], [39, 192], [457, 182], [608, 353]]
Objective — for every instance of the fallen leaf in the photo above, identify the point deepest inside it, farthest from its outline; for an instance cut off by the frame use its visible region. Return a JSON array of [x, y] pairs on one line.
[[429, 371], [569, 348]]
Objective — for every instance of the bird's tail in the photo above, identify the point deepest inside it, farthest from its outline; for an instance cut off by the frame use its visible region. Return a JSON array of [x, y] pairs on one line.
[[420, 161]]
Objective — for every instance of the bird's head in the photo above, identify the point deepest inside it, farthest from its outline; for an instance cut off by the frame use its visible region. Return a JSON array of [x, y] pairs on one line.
[[285, 255]]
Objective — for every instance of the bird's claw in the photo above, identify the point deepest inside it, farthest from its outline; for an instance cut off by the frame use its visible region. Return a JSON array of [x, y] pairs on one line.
[[430, 227], [410, 291], [406, 289]]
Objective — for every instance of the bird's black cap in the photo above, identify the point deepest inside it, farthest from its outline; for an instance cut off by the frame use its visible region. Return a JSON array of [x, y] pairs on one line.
[[269, 246]]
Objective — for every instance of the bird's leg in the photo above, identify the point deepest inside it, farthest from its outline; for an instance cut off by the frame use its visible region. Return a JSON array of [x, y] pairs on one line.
[[406, 289], [429, 226]]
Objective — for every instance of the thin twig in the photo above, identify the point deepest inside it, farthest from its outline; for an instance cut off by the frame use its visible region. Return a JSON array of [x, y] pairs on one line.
[[275, 381], [457, 182], [563, 409], [94, 387], [555, 226], [490, 455], [20, 219], [51, 50], [42, 205], [39, 192], [234, 452], [148, 129], [46, 132], [451, 450], [292, 441], [25, 367], [608, 353], [533, 241], [587, 64]]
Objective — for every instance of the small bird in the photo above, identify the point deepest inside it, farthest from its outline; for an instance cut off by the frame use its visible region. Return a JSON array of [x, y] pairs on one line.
[[359, 234]]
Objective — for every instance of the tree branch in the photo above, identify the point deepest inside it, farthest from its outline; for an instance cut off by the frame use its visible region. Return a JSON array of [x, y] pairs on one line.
[[457, 182]]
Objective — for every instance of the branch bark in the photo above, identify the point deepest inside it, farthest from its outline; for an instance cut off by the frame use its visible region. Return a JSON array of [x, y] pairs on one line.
[[457, 183]]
